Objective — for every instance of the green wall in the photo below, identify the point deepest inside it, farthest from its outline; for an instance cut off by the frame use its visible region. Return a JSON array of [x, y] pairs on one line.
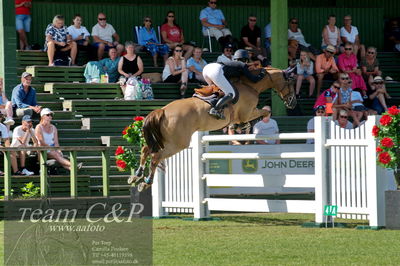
[[124, 16]]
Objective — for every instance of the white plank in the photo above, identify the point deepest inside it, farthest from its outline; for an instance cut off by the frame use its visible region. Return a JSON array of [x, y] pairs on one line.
[[259, 156], [255, 180], [173, 204], [261, 205], [211, 138]]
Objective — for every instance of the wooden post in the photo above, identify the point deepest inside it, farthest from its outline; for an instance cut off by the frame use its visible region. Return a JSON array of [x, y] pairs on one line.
[[43, 173], [8, 45], [74, 174], [7, 175], [279, 43], [321, 182], [105, 159]]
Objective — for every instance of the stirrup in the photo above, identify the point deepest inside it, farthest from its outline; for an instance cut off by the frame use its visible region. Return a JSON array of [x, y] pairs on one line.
[[219, 114]]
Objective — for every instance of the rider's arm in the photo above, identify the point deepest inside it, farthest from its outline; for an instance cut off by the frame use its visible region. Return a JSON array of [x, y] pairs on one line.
[[252, 77]]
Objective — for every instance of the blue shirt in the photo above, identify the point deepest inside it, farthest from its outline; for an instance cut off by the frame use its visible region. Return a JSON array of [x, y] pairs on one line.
[[197, 65], [20, 99], [111, 67], [146, 36], [213, 16]]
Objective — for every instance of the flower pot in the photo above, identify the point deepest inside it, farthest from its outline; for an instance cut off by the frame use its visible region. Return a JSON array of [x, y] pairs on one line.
[[392, 209]]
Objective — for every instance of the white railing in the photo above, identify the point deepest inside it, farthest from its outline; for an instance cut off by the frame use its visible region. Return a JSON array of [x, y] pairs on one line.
[[345, 174]]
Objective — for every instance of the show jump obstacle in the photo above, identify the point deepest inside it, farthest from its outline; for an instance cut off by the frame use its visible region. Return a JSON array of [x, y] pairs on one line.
[[345, 174]]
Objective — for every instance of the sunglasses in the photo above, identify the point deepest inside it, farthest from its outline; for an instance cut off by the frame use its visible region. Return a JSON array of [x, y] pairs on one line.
[[171, 16], [336, 87], [378, 83], [228, 50], [178, 51], [348, 49], [253, 20], [294, 22], [342, 116], [370, 52], [331, 52], [49, 115], [101, 18], [344, 78], [147, 20], [213, 3]]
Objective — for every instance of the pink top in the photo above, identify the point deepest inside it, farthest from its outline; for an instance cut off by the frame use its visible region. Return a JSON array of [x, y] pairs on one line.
[[321, 100], [173, 33], [347, 63]]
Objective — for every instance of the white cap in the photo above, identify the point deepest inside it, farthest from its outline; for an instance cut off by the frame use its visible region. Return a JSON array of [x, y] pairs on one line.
[[46, 111]]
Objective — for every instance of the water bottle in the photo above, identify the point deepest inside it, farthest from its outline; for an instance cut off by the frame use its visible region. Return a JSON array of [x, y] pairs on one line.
[[106, 78]]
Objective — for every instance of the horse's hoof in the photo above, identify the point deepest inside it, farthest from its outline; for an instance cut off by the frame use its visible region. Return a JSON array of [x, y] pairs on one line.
[[143, 186], [134, 179]]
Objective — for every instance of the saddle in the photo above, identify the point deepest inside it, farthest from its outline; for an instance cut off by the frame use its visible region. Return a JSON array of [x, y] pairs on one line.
[[210, 94], [209, 90]]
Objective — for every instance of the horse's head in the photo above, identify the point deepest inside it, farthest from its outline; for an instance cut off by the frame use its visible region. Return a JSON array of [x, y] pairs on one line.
[[287, 93]]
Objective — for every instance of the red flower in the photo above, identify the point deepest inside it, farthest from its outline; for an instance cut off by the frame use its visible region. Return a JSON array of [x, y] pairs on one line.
[[119, 150], [384, 158], [138, 118], [379, 149], [393, 110], [375, 131], [121, 164], [386, 120], [387, 142], [124, 131]]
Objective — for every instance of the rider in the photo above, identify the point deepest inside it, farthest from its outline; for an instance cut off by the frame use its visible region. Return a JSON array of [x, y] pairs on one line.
[[220, 73]]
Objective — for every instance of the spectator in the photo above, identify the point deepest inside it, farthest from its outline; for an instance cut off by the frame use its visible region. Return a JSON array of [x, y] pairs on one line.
[[4, 137], [23, 21], [349, 34], [331, 34], [47, 136], [214, 20], [80, 34], [327, 97], [393, 36], [110, 65], [21, 136], [267, 40], [172, 35], [347, 63], [238, 129], [370, 65], [195, 64], [358, 107], [226, 57], [250, 35], [326, 65], [130, 65], [175, 70], [58, 40], [294, 33], [105, 37], [267, 126], [305, 70], [377, 95], [342, 100], [293, 48], [318, 111], [343, 121], [24, 97], [147, 38], [6, 107]]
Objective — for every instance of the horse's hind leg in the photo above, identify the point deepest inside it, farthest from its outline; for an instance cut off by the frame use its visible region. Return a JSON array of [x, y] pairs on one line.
[[139, 174], [148, 181]]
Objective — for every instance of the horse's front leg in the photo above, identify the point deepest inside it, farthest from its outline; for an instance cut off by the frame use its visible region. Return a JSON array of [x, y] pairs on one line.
[[139, 174], [256, 113]]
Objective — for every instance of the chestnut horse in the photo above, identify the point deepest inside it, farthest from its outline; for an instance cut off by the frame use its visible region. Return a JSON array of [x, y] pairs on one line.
[[168, 130]]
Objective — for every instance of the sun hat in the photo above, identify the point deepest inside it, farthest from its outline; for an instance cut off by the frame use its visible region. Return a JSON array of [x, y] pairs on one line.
[[330, 48], [46, 111]]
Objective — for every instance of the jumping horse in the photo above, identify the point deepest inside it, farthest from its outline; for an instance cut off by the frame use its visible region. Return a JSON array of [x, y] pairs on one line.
[[168, 130]]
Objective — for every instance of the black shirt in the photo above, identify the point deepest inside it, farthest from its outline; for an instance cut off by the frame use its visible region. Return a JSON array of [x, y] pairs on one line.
[[251, 35]]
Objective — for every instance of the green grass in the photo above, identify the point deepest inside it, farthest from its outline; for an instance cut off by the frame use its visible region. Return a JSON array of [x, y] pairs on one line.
[[267, 239]]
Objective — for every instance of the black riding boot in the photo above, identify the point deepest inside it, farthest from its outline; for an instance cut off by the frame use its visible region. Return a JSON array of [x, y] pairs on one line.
[[218, 109]]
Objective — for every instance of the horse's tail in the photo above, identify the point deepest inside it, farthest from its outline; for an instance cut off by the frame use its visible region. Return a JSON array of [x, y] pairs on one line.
[[152, 130]]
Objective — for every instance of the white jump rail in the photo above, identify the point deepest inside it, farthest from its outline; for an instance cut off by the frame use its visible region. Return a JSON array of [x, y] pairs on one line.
[[346, 175]]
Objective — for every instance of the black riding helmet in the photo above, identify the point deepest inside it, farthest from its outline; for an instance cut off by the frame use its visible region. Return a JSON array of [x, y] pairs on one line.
[[241, 55]]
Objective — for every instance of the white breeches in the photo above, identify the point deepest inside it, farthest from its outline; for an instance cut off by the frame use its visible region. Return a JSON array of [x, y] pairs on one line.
[[214, 74]]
